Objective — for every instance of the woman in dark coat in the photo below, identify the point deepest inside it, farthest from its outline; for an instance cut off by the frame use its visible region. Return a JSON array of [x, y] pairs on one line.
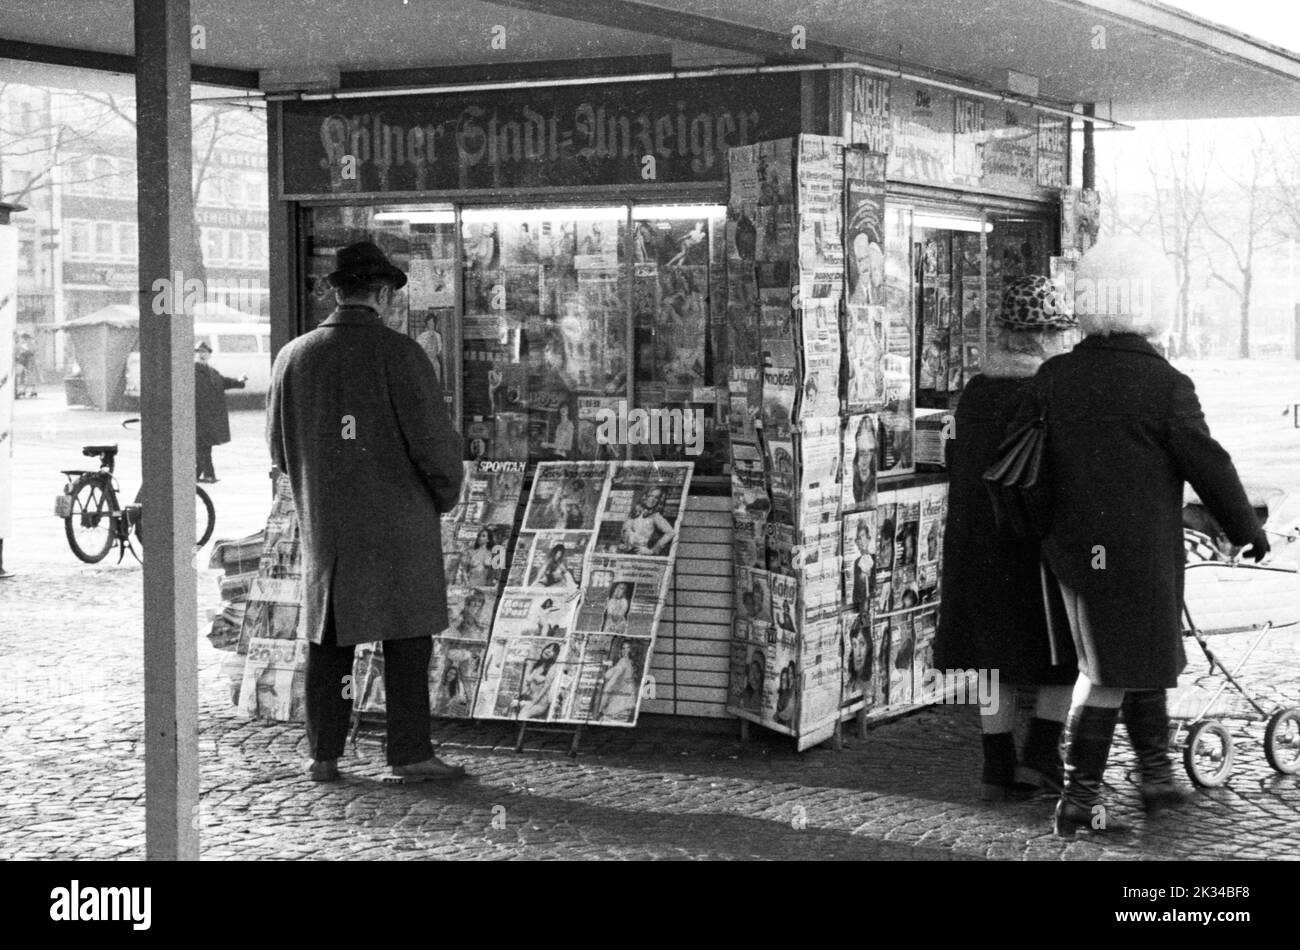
[[991, 616], [1124, 432], [211, 419]]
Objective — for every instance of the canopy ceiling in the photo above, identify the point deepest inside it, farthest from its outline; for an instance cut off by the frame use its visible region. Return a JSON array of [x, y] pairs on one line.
[[1157, 62]]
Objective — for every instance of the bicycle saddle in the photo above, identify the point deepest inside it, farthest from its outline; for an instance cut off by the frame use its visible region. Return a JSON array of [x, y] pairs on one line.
[[108, 451]]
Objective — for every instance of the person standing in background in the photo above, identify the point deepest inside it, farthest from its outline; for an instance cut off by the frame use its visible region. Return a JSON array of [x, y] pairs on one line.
[[211, 418], [431, 342]]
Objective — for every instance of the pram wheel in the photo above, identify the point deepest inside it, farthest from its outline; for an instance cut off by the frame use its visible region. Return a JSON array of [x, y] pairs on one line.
[[1282, 740], [1208, 754]]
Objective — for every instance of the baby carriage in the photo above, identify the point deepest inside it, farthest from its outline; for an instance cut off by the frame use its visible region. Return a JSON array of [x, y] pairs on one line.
[[1223, 596]]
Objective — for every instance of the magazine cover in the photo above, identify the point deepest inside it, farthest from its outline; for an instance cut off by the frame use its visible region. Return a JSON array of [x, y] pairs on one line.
[[776, 172], [491, 492], [821, 595], [750, 540], [549, 560], [785, 608], [858, 482], [780, 548], [368, 694], [907, 533], [781, 686], [817, 448], [780, 468], [454, 671], [275, 680], [858, 663], [923, 652], [607, 679], [753, 594], [479, 555], [902, 647], [748, 481], [642, 512], [749, 667], [930, 543], [864, 327], [469, 612], [886, 549], [520, 678], [565, 496], [877, 693], [273, 611], [864, 226], [621, 596], [820, 355], [859, 566], [533, 614]]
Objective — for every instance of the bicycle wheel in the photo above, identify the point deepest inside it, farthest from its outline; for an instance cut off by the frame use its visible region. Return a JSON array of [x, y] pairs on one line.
[[205, 520], [92, 526]]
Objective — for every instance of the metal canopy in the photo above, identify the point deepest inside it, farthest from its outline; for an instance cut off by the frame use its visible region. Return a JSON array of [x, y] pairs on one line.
[[1156, 63]]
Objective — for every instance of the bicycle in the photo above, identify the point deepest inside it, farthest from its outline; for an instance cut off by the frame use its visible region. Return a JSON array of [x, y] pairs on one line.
[[93, 518]]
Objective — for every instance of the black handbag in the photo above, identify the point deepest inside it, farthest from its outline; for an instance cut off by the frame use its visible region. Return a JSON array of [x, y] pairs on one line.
[[1019, 484]]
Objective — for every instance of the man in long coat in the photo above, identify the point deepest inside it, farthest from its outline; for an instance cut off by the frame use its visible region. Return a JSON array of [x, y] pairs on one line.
[[211, 418], [357, 422]]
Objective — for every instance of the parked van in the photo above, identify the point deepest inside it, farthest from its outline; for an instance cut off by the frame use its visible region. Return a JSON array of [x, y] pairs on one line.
[[238, 349]]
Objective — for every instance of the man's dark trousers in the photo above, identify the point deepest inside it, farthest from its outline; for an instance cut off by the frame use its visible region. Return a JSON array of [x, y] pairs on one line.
[[330, 689]]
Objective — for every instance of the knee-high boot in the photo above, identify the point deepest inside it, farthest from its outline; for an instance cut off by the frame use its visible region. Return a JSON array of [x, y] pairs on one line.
[[1085, 747], [1041, 760], [1146, 718]]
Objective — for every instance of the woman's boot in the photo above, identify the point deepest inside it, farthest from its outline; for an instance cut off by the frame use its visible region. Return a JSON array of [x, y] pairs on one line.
[[1146, 717], [1085, 747], [1041, 761]]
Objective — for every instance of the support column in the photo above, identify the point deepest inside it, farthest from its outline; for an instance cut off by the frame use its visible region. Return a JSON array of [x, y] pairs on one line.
[[1089, 151], [162, 48]]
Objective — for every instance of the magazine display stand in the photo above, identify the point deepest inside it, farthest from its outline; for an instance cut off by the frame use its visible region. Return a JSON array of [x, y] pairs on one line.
[[575, 626], [821, 403]]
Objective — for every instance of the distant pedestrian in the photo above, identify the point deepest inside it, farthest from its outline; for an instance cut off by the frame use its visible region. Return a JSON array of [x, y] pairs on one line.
[[211, 418], [357, 421], [29, 375]]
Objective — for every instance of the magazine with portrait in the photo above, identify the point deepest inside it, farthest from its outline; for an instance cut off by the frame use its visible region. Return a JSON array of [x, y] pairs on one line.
[[781, 686], [533, 614], [859, 565], [479, 555], [621, 596], [521, 676], [877, 694], [886, 551], [642, 511], [858, 481], [781, 540], [454, 670], [857, 663], [549, 561], [753, 594], [274, 685], [902, 646], [608, 679], [469, 612], [566, 496], [748, 676]]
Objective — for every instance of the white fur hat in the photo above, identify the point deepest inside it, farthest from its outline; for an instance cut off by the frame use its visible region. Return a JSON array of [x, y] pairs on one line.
[[1124, 285]]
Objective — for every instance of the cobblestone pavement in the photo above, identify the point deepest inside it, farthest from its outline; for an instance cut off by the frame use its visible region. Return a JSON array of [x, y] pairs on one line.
[[71, 768]]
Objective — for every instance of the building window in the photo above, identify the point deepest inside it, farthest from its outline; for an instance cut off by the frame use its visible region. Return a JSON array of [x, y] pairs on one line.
[[126, 241], [104, 240], [79, 239], [235, 254], [213, 250]]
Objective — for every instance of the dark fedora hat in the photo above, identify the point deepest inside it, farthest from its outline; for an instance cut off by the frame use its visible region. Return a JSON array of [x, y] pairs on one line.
[[364, 259], [202, 347]]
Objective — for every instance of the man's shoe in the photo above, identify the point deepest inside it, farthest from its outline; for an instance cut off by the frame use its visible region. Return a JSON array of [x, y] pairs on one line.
[[432, 769], [323, 770]]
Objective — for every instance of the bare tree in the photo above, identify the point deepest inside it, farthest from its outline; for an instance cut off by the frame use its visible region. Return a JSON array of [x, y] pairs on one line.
[[1246, 233], [1179, 176]]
